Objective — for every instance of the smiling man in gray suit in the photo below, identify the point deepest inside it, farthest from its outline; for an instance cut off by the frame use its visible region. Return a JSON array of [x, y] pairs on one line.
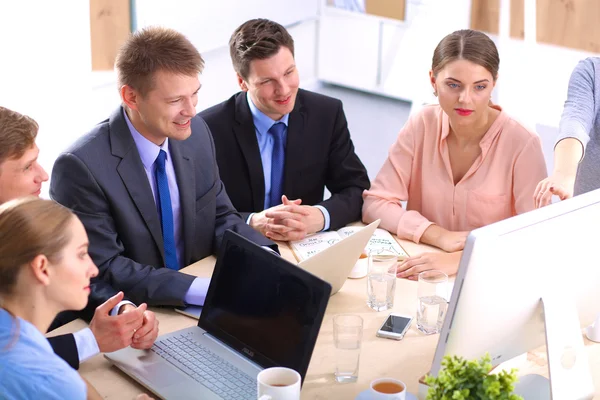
[[145, 182]]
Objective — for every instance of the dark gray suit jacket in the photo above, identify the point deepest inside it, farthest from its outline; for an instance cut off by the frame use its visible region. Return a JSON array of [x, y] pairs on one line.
[[102, 179]]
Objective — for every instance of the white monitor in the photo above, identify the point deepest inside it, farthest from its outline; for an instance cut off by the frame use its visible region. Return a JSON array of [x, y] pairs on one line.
[[526, 281]]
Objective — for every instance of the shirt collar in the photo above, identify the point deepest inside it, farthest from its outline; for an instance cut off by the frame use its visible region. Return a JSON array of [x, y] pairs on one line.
[[148, 150], [488, 137], [262, 122]]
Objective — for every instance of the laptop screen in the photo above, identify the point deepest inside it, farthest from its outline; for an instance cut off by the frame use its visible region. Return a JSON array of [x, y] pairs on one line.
[[266, 308]]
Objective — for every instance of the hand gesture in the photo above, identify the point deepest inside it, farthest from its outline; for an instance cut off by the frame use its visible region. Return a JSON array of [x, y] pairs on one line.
[[114, 333]]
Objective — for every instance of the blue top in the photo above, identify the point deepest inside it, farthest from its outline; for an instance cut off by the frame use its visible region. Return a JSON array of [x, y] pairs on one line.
[[262, 124], [29, 369]]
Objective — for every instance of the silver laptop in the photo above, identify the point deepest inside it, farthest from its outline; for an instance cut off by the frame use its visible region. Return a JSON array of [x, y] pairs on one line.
[[260, 311], [334, 264]]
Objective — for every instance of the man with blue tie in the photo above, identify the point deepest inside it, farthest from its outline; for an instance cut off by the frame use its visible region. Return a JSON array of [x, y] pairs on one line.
[[145, 182], [276, 142]]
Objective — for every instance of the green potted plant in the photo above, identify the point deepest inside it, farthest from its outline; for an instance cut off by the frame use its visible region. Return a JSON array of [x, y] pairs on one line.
[[460, 379]]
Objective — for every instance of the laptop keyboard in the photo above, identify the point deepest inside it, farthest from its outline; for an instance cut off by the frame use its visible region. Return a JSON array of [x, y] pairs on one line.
[[206, 367]]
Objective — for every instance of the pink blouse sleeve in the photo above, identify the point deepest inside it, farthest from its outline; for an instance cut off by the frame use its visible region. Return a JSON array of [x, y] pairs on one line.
[[390, 187], [529, 170]]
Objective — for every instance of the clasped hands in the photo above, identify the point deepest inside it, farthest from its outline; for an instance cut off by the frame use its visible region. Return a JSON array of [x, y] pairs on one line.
[[288, 221], [134, 326]]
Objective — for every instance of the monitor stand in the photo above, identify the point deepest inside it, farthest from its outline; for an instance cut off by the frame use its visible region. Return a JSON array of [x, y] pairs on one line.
[[568, 364]]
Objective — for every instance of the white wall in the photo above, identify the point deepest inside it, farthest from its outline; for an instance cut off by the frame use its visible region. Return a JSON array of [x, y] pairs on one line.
[[209, 24], [393, 58], [44, 72]]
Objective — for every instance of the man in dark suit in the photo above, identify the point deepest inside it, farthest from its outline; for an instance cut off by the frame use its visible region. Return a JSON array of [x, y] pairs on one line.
[[145, 182], [21, 175], [274, 141]]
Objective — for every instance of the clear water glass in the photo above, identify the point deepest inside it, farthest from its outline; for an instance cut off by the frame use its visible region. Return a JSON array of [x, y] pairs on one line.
[[347, 338], [381, 281], [433, 301]]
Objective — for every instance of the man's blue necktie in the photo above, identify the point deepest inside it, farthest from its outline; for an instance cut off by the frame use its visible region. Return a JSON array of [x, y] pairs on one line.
[[166, 211], [277, 163]]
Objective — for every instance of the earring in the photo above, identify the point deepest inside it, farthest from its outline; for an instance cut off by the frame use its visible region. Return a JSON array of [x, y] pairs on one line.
[[435, 93]]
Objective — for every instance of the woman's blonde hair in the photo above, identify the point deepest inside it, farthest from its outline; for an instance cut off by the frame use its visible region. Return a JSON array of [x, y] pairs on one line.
[[29, 227]]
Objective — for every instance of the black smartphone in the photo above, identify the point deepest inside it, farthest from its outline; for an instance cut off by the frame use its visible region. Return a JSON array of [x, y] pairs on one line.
[[395, 326]]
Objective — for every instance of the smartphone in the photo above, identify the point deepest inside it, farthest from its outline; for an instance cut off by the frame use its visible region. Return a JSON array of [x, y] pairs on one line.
[[395, 326]]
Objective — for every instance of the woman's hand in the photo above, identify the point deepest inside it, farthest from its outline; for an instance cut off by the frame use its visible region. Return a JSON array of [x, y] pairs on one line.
[[444, 239], [445, 262], [143, 396], [558, 184]]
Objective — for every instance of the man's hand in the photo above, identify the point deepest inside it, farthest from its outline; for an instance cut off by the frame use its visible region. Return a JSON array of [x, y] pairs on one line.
[[114, 333], [144, 337], [445, 262], [288, 221], [259, 221]]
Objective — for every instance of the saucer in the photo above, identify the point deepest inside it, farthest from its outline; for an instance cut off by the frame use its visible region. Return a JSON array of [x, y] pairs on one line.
[[364, 395]]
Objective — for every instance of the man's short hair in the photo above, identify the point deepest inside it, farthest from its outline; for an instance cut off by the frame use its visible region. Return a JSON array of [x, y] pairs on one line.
[[257, 39], [17, 134], [155, 49]]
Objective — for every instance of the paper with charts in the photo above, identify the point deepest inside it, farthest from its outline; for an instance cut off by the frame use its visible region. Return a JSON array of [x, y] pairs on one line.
[[381, 242]]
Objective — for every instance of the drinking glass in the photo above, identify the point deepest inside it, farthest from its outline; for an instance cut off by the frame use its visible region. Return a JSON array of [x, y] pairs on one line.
[[381, 281], [433, 301], [347, 338]]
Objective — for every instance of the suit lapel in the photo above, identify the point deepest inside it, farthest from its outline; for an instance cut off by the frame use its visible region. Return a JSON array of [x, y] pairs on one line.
[[245, 133], [132, 173], [294, 145], [183, 164]]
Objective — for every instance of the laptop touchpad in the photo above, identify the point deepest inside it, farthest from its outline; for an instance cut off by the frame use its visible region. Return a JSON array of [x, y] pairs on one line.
[[160, 376]]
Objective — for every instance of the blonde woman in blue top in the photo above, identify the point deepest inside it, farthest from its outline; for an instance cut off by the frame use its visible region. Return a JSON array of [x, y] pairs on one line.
[[44, 269]]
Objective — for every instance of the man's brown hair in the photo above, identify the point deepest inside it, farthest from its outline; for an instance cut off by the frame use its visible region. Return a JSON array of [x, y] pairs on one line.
[[17, 134], [257, 39], [155, 49], [470, 45]]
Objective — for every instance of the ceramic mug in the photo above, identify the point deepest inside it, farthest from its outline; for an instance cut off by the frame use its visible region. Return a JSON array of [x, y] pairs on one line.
[[278, 383]]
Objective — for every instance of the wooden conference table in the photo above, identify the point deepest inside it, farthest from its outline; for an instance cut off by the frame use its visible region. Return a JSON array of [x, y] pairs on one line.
[[406, 360]]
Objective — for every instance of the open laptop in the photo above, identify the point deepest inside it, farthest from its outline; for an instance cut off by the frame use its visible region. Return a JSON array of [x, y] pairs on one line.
[[260, 311], [334, 264]]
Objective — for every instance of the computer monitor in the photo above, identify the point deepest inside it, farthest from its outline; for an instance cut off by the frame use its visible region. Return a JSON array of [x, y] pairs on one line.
[[526, 281]]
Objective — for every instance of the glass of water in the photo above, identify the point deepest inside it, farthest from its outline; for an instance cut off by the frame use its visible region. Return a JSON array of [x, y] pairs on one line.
[[347, 338], [381, 281], [433, 301]]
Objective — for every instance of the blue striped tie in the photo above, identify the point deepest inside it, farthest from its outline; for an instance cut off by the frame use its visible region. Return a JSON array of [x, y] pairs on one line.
[[166, 211], [277, 163]]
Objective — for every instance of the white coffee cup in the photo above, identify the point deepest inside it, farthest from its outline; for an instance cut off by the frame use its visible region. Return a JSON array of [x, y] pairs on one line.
[[387, 389], [278, 383]]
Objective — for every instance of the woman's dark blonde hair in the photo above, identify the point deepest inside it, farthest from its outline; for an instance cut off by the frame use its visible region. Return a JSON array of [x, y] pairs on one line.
[[29, 227], [469, 45]]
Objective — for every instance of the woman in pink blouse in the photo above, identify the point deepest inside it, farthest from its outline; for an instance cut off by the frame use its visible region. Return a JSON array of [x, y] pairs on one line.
[[460, 165]]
